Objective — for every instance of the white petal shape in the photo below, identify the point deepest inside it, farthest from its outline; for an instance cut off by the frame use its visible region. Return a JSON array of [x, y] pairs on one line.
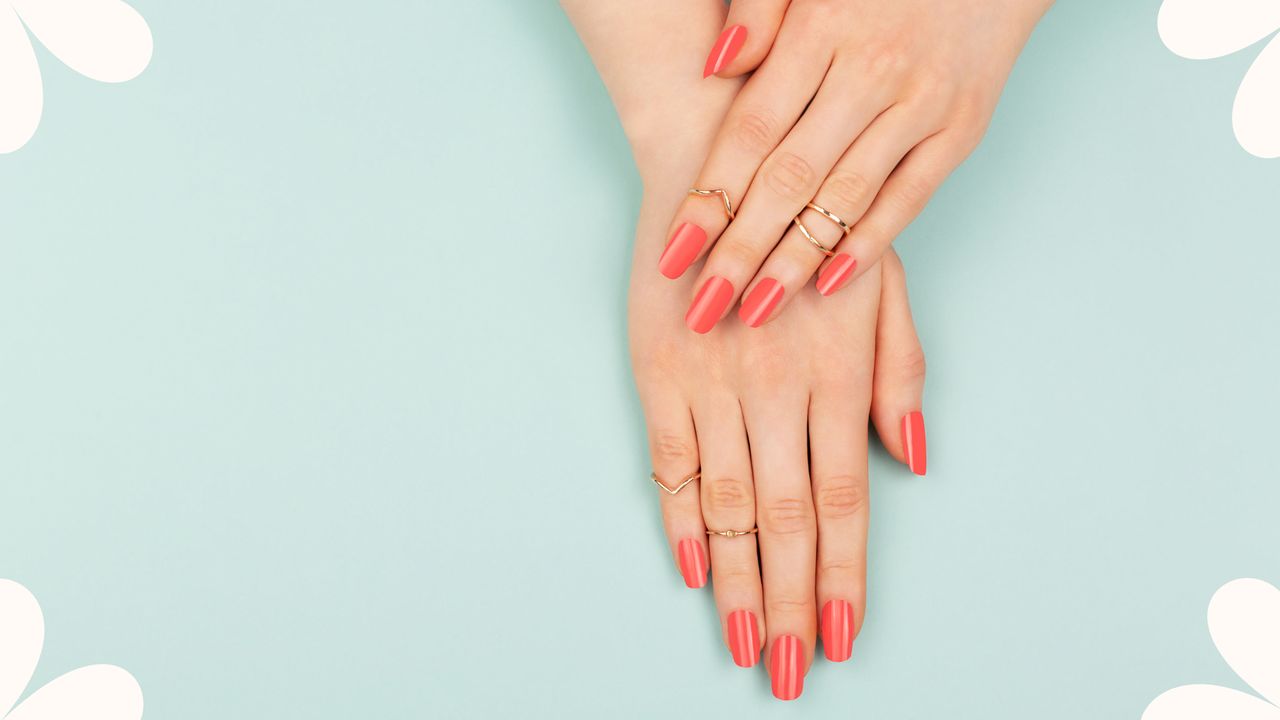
[[1199, 29], [1208, 702], [1244, 621], [1256, 114], [95, 692], [21, 95], [21, 637], [106, 40]]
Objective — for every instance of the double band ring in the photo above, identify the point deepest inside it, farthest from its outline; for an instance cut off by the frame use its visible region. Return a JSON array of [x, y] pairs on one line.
[[809, 236], [733, 533], [844, 226], [724, 198], [670, 490]]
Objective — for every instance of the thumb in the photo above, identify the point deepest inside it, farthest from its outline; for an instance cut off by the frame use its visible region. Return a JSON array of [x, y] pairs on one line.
[[747, 36], [898, 383]]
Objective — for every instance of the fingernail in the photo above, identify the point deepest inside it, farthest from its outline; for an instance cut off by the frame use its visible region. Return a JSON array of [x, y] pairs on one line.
[[760, 302], [913, 445], [837, 630], [709, 305], [837, 273], [744, 643], [725, 49], [693, 563], [786, 665], [685, 244]]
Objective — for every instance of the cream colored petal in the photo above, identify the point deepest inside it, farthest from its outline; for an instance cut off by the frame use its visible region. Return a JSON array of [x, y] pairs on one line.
[[106, 40], [1199, 29], [21, 95]]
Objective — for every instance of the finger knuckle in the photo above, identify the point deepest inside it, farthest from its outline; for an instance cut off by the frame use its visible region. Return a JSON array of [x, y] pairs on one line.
[[911, 194], [672, 448], [816, 14], [790, 176], [841, 496], [909, 364], [787, 516], [754, 131], [737, 251], [847, 190], [840, 566], [885, 59], [787, 603], [739, 573], [727, 494]]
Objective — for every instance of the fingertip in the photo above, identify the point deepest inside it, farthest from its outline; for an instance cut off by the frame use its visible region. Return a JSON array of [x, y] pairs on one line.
[[725, 49]]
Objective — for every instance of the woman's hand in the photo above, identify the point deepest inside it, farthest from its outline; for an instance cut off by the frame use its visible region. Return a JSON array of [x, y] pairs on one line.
[[860, 107]]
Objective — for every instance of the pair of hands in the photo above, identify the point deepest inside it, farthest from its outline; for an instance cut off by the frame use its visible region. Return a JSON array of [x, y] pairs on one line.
[[776, 418]]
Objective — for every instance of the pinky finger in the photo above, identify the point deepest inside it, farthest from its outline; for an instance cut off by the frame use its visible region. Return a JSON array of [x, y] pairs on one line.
[[673, 447], [898, 385], [903, 196]]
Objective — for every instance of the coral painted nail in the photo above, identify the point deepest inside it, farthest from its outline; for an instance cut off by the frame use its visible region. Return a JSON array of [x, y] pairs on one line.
[[837, 630], [744, 642], [685, 244], [786, 667], [709, 305], [760, 302], [693, 563], [725, 49], [913, 445], [837, 273]]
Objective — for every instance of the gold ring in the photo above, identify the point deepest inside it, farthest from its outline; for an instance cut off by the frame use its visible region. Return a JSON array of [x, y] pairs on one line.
[[809, 236], [844, 226], [724, 197], [654, 477], [733, 533]]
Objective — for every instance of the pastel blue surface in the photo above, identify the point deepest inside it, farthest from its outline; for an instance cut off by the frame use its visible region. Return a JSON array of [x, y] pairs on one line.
[[314, 399]]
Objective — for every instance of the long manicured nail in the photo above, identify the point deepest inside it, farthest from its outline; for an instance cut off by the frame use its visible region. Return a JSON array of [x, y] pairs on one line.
[[725, 49], [913, 445], [837, 273], [709, 305], [837, 630], [760, 302], [744, 643], [786, 667], [693, 563], [685, 244]]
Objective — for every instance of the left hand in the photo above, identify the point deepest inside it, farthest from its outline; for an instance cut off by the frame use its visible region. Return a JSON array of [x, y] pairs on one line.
[[861, 107]]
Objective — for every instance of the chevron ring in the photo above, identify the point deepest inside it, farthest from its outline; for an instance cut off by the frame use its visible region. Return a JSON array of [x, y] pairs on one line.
[[678, 488]]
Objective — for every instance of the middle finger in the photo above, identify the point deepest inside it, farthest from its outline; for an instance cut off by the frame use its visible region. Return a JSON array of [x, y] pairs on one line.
[[788, 534]]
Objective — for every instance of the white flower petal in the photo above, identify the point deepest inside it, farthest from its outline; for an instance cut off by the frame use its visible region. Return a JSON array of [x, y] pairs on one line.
[[95, 692], [106, 40], [21, 95], [1208, 702], [1256, 114], [1199, 29], [1244, 621], [21, 635]]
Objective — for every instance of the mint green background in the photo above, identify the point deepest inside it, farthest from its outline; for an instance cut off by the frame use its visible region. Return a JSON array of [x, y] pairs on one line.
[[284, 398]]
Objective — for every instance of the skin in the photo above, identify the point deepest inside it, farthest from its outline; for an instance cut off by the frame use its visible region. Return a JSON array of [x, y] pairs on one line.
[[776, 418], [863, 107]]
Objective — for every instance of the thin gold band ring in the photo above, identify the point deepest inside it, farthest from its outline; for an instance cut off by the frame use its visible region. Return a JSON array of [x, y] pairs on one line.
[[809, 236], [724, 198], [844, 226], [670, 491], [733, 533]]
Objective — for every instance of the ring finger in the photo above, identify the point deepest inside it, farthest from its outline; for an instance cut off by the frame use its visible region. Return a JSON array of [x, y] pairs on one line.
[[729, 511]]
